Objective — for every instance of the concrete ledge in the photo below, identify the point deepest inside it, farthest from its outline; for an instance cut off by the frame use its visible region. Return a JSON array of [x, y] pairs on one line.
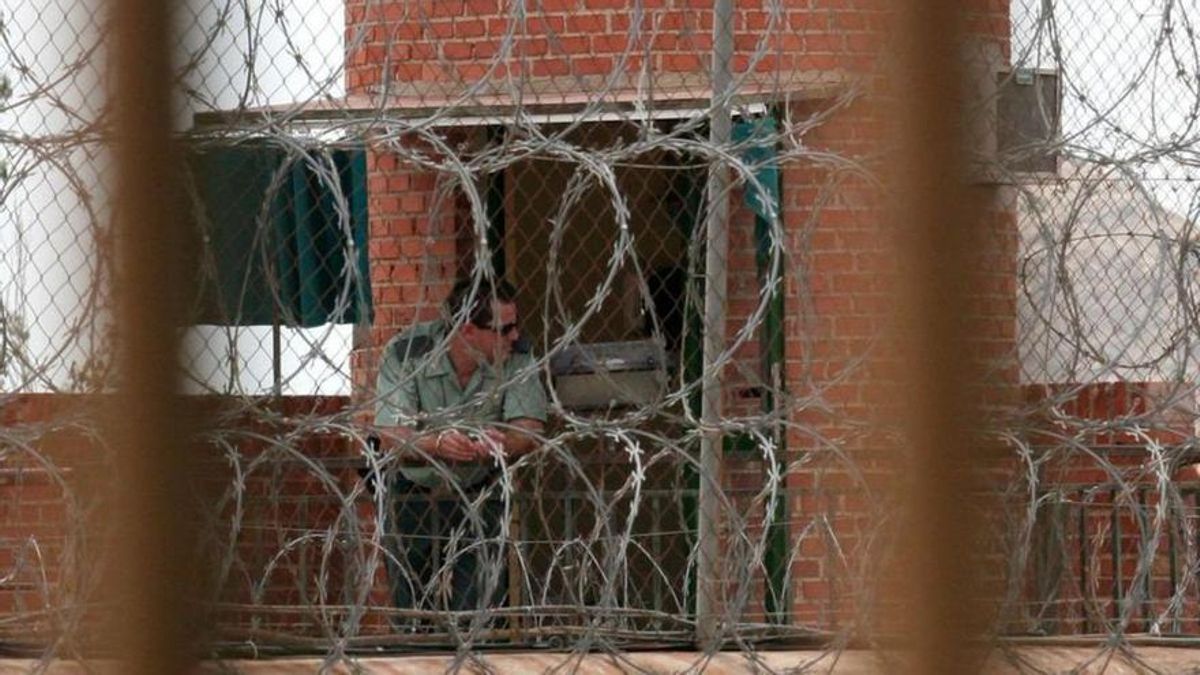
[[1024, 659]]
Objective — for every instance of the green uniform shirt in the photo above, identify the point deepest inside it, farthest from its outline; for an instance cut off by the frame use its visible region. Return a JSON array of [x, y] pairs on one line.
[[418, 388]]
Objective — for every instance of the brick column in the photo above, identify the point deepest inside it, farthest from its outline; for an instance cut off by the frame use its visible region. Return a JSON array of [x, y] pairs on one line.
[[413, 254], [839, 302]]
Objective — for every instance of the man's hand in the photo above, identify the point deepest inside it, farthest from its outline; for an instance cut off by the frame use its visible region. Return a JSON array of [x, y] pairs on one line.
[[493, 446], [453, 445], [520, 436], [456, 446]]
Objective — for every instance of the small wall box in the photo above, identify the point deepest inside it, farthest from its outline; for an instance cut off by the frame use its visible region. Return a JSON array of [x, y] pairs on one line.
[[1029, 125], [609, 374]]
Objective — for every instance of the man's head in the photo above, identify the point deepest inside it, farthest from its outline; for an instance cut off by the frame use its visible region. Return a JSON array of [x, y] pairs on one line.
[[490, 311]]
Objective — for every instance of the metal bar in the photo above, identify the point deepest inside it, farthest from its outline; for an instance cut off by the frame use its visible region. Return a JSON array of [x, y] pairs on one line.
[[1043, 553], [1083, 563], [1172, 558], [776, 600], [276, 356], [933, 219], [1115, 543], [494, 190], [1147, 582], [708, 563], [656, 586], [152, 624], [620, 107]]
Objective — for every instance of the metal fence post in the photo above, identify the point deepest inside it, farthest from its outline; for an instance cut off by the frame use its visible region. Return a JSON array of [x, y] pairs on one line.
[[149, 566], [934, 219], [708, 567]]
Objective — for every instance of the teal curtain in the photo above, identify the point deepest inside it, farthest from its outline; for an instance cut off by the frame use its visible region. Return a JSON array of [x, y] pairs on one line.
[[277, 251], [757, 139], [754, 139]]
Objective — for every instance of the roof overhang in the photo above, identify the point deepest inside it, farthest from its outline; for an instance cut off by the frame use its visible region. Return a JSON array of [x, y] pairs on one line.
[[537, 101]]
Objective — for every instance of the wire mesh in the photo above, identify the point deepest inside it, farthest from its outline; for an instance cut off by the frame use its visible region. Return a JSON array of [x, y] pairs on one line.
[[349, 160]]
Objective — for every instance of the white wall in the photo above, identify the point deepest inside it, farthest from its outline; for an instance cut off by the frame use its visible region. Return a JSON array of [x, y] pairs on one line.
[[55, 200]]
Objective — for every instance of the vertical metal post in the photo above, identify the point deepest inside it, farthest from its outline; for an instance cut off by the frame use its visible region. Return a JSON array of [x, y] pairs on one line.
[[708, 562], [934, 222], [148, 567], [276, 356]]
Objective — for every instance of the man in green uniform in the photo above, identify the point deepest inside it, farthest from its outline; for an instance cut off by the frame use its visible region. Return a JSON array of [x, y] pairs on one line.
[[456, 398]]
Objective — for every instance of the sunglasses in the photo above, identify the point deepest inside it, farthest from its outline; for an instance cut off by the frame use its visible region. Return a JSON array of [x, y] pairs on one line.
[[501, 330]]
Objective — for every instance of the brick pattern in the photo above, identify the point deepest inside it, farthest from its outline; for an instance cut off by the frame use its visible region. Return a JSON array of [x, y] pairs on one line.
[[1092, 564], [840, 299], [414, 251], [453, 41], [745, 385], [40, 497], [53, 525], [417, 249], [838, 275], [842, 259]]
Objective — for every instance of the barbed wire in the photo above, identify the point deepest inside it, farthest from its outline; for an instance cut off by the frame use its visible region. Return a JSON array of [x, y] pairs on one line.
[[563, 147]]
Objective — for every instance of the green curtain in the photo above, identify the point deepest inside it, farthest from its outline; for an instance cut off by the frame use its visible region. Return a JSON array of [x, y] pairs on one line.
[[277, 252]]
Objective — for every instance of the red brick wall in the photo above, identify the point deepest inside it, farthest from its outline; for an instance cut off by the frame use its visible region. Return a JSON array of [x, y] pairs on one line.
[[421, 238], [840, 299], [413, 248], [448, 42], [42, 489], [841, 257], [291, 485], [416, 249], [1100, 487]]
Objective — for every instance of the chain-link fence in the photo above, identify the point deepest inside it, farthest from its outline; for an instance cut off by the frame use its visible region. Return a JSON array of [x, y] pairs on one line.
[[676, 245]]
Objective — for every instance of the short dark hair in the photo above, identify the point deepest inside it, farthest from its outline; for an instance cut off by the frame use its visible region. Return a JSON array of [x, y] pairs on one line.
[[487, 294]]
